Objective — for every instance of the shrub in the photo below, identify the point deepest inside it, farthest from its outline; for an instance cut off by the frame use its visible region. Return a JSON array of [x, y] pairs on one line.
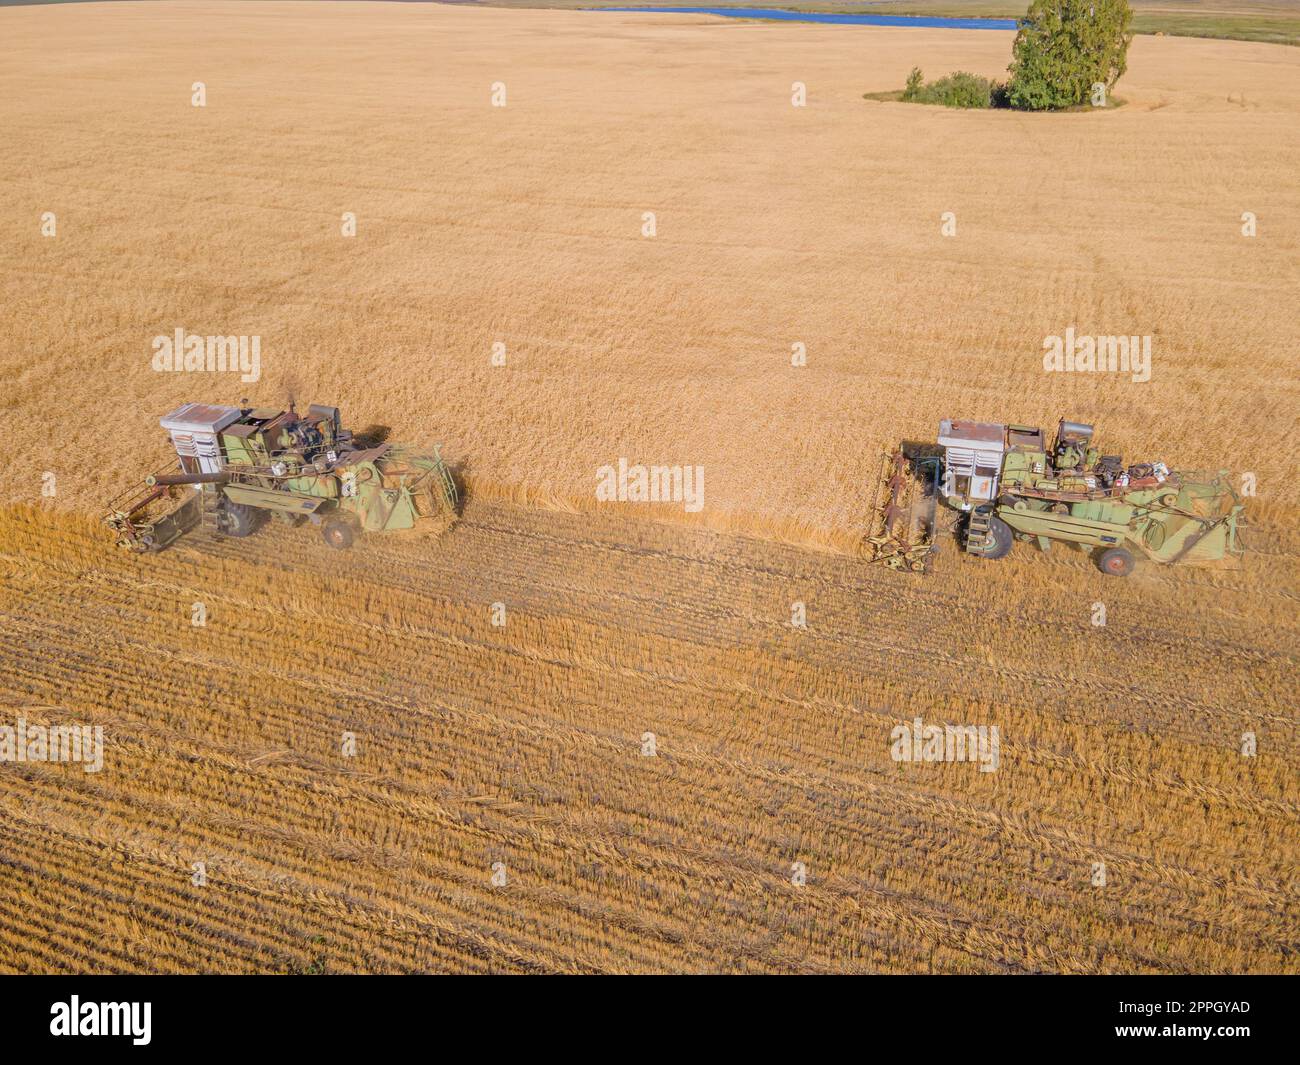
[[1065, 47], [956, 90], [962, 90]]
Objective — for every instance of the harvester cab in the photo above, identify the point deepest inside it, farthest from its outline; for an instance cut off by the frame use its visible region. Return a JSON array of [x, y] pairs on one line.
[[236, 466]]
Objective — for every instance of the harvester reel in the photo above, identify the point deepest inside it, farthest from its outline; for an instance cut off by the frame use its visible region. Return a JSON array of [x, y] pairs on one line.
[[902, 530]]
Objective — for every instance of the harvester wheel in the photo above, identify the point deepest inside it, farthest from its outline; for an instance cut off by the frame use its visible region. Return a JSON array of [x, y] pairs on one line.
[[1116, 561], [338, 533], [1000, 539], [236, 519]]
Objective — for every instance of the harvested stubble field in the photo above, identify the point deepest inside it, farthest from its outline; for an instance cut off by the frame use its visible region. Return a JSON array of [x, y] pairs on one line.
[[522, 744]]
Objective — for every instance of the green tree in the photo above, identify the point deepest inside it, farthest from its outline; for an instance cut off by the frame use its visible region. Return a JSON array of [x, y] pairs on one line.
[[915, 80], [1064, 48]]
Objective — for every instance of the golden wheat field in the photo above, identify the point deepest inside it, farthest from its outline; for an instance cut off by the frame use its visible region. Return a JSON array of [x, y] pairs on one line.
[[521, 225], [374, 773]]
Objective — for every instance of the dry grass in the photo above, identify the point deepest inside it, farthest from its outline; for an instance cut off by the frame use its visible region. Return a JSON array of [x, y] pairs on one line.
[[478, 744]]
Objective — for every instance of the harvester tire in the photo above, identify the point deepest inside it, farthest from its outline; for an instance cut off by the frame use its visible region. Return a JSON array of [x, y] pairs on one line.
[[236, 519], [1116, 562], [339, 534], [1001, 539]]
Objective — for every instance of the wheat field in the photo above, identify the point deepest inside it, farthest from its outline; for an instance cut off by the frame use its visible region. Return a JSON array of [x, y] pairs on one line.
[[521, 225], [499, 812]]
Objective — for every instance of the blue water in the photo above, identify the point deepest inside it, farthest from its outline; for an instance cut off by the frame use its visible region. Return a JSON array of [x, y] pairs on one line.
[[926, 21]]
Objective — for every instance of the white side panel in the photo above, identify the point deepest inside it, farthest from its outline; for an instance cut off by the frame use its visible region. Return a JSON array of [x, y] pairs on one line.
[[201, 446]]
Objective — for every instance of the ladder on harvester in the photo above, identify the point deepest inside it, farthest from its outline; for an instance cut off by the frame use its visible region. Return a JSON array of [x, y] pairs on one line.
[[978, 532], [211, 504]]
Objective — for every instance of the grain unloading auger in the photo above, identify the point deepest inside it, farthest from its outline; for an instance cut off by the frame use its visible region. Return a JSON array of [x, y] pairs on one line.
[[1007, 484], [237, 466]]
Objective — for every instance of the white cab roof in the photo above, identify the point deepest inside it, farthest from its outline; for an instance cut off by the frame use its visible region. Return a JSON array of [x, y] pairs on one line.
[[978, 436], [199, 418]]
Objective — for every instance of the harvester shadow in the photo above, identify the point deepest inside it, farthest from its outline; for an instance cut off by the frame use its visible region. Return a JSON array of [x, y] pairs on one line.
[[460, 473], [372, 436], [914, 450], [933, 522]]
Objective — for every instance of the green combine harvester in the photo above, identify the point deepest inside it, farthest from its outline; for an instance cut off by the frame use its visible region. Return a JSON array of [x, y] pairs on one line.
[[238, 466], [1008, 485]]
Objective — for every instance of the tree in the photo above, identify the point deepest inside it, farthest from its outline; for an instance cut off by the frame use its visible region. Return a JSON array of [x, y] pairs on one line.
[[1064, 48], [915, 81]]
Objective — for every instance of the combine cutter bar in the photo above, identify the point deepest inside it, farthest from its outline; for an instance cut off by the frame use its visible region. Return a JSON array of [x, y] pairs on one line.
[[902, 529], [150, 516]]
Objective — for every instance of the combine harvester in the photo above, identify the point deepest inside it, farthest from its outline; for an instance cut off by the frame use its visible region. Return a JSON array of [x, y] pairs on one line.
[[1007, 485], [236, 466]]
